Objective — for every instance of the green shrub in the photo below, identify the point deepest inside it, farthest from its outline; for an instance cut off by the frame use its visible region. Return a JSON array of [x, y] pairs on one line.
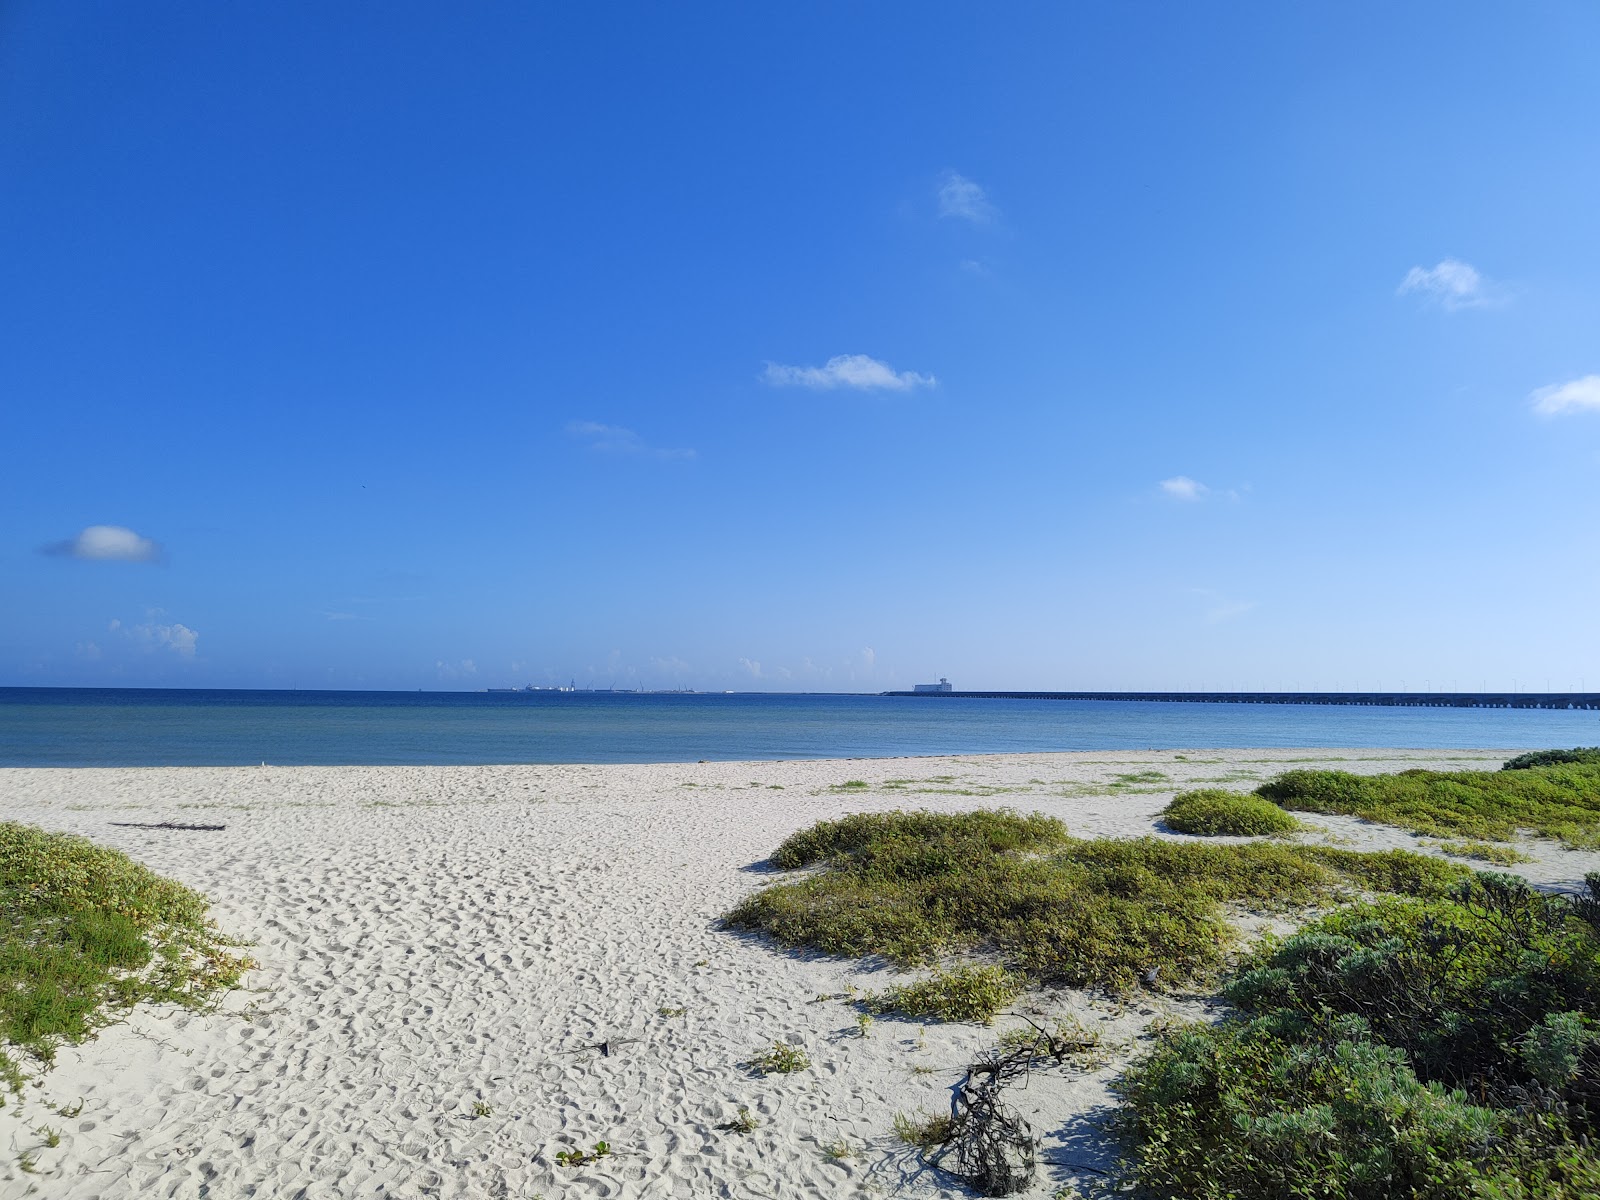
[[964, 994], [915, 887], [1559, 801], [1259, 1111], [1463, 986], [86, 932], [1400, 1047], [1550, 758], [1213, 812]]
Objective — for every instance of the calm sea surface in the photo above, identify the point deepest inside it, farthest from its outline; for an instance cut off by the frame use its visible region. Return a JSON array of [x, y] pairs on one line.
[[61, 727]]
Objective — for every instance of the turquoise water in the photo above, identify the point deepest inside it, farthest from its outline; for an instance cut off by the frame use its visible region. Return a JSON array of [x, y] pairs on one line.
[[94, 727]]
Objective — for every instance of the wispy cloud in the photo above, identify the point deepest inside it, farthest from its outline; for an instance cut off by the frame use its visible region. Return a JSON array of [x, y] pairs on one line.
[[107, 543], [456, 670], [152, 635], [1576, 395], [1190, 491], [1451, 284], [961, 197], [614, 439], [858, 371], [1181, 487]]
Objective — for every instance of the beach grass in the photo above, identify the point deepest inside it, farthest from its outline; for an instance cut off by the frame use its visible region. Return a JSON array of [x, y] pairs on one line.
[[920, 887], [1212, 812], [1558, 800], [86, 933]]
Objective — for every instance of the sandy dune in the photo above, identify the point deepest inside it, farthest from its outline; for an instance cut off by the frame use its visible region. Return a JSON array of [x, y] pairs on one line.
[[431, 937]]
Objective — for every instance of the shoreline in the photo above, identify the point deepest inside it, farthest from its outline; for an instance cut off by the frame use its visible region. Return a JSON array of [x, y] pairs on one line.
[[431, 937]]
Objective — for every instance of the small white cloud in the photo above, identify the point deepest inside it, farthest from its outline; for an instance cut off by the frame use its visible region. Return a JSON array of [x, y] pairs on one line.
[[614, 439], [89, 650], [751, 666], [1181, 487], [1576, 395], [1452, 284], [858, 371], [107, 543], [456, 670], [869, 658], [961, 197], [671, 665], [152, 635]]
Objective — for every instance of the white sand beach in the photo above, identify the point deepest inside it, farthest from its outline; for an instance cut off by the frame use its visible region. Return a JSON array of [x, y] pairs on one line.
[[432, 937]]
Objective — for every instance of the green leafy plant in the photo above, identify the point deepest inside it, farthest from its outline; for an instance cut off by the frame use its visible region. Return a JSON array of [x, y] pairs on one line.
[[579, 1157], [1213, 812], [481, 1108], [671, 1012], [745, 1122], [87, 933], [783, 1059], [839, 1148], [863, 1025]]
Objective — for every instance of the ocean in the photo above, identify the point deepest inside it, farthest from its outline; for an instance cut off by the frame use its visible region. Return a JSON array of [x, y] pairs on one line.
[[93, 727]]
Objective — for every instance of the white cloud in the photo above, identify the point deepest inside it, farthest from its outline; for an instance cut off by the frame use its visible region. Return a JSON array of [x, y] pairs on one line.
[[961, 197], [614, 439], [89, 650], [1181, 487], [107, 543], [456, 670], [869, 658], [858, 371], [1452, 284], [753, 667], [1576, 395], [152, 635]]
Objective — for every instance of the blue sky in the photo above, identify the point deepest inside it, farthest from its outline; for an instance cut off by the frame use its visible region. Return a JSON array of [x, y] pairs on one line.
[[833, 347]]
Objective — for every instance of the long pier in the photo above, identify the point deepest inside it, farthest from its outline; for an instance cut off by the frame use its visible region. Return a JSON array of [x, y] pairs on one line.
[[1374, 699]]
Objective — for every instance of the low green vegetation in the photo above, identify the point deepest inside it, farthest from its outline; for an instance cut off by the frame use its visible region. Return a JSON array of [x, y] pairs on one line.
[[922, 1129], [1560, 800], [1213, 812], [1433, 1048], [1504, 856], [86, 933], [964, 994], [918, 887], [783, 1059], [1551, 758]]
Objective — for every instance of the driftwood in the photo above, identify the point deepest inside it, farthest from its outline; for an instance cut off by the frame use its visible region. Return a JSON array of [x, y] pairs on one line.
[[164, 825], [992, 1144]]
